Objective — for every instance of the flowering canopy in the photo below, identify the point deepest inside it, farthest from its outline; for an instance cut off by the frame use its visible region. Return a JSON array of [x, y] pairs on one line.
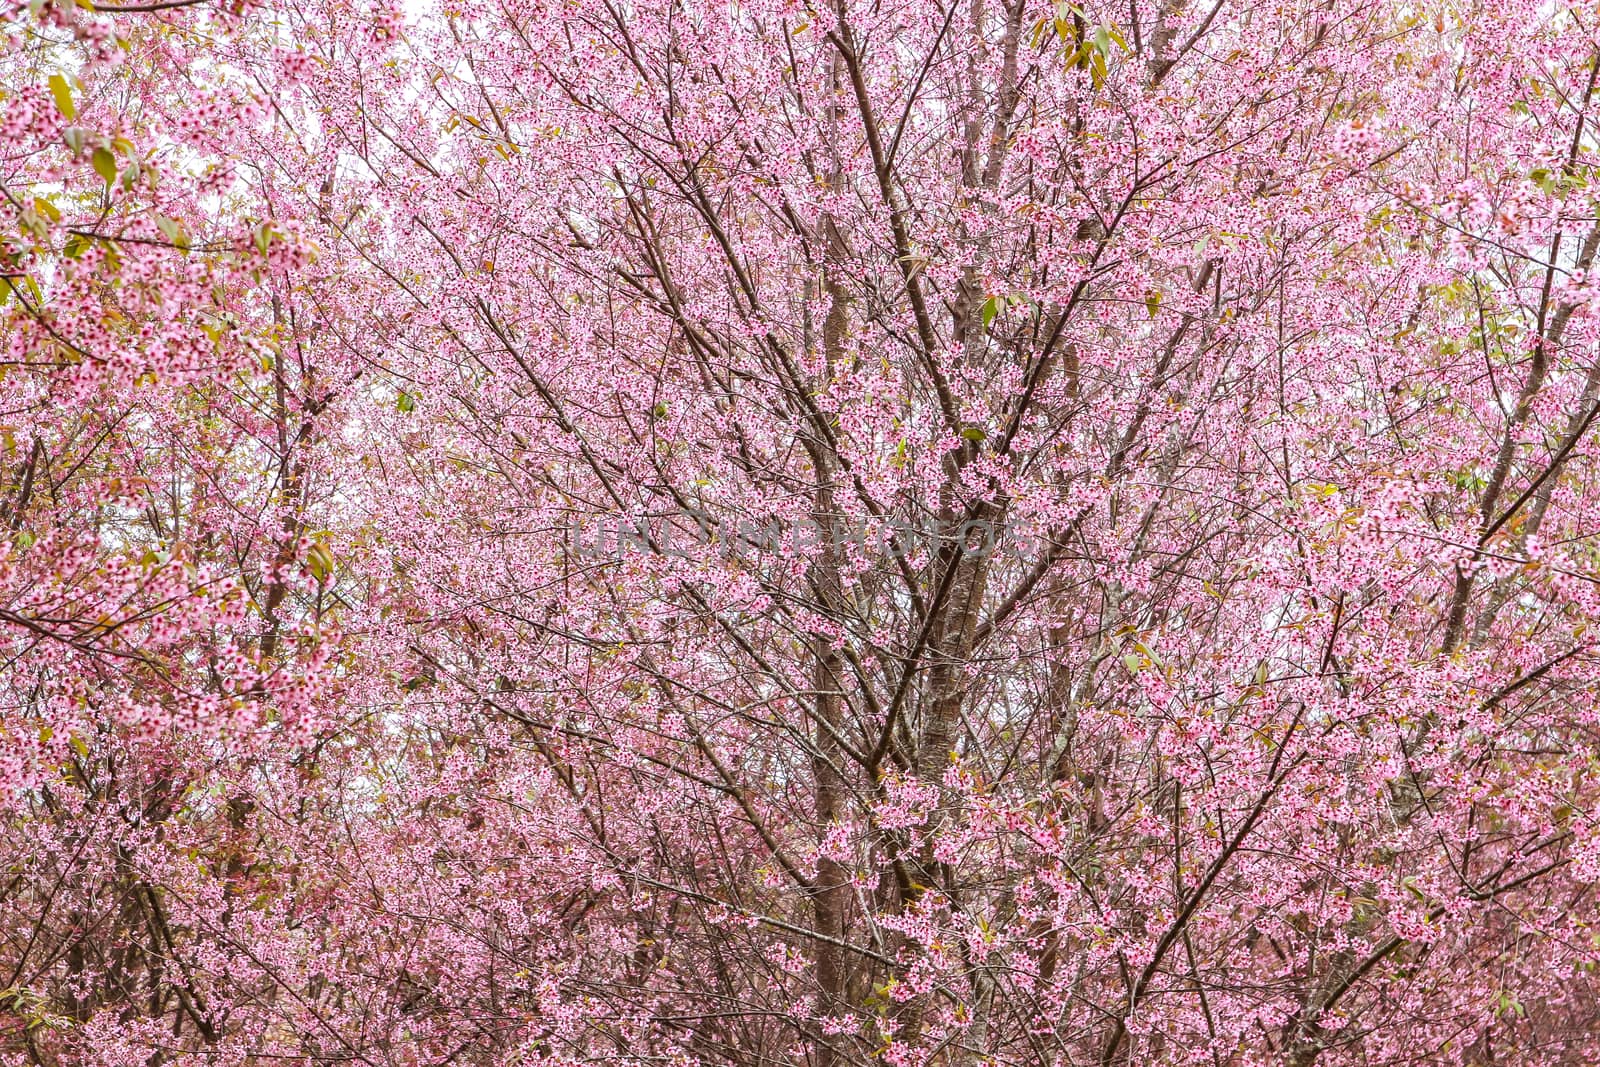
[[799, 531]]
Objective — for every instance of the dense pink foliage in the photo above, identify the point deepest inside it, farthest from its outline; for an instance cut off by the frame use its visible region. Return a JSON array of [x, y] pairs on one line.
[[799, 532]]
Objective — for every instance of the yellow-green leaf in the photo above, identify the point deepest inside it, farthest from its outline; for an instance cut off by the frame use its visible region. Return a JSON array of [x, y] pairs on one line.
[[105, 164], [320, 560], [62, 91], [991, 308]]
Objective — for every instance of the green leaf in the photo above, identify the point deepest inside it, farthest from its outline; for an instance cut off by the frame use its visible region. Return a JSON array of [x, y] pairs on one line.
[[44, 207], [62, 91], [263, 237], [173, 231], [991, 308], [406, 402], [105, 164], [34, 223], [24, 289], [320, 560]]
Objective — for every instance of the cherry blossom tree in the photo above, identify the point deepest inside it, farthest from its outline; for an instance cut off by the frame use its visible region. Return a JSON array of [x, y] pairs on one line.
[[784, 532], [160, 585]]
